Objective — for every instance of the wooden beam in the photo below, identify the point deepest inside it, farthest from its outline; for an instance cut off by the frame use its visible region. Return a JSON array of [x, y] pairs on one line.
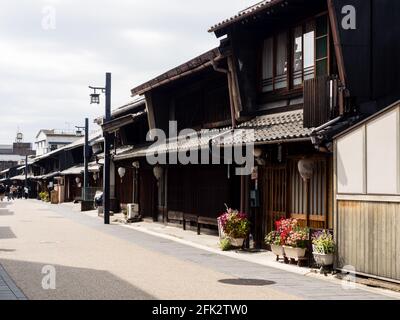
[[235, 87], [336, 40], [150, 111]]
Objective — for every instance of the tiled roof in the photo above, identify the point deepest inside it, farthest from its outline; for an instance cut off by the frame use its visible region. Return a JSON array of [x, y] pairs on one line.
[[280, 127], [123, 121], [186, 68], [194, 141], [274, 128], [246, 13]]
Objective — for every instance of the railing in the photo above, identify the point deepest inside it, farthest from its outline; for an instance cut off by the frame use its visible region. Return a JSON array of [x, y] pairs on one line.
[[321, 100]]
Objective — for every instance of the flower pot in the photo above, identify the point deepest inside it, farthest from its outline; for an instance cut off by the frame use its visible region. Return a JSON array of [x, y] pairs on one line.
[[236, 243], [323, 259], [277, 250], [294, 253]]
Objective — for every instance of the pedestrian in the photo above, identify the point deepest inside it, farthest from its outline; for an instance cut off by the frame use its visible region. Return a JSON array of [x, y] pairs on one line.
[[8, 191], [19, 192], [13, 191], [2, 192], [26, 192]]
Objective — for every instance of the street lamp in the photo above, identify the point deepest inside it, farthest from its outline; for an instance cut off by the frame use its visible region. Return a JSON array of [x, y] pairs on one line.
[[85, 159], [95, 99]]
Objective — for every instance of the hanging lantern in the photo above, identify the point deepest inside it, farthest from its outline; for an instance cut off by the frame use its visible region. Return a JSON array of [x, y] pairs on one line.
[[136, 164], [121, 172], [77, 180], [257, 153], [158, 172], [306, 168], [94, 98], [95, 176]]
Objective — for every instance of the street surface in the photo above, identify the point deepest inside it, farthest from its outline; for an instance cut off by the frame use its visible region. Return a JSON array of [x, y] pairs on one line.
[[93, 261]]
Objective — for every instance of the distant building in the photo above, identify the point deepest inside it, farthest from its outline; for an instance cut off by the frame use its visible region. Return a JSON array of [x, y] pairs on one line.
[[14, 154], [50, 140]]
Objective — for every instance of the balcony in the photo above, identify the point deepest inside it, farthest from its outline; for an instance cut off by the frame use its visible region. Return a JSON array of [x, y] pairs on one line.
[[322, 100]]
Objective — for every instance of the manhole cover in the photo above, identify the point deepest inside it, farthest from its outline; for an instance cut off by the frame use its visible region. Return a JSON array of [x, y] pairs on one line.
[[247, 282]]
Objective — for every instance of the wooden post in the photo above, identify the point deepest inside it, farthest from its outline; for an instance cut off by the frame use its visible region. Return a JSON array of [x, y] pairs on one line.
[[307, 185]]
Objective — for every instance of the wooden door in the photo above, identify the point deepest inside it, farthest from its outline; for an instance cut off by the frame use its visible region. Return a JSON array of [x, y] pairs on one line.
[[147, 194], [273, 196]]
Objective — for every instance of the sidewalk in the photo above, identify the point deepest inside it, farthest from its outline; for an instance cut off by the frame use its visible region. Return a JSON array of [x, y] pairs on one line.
[[210, 243], [8, 289]]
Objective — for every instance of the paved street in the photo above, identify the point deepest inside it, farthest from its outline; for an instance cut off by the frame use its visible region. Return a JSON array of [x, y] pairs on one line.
[[93, 261]]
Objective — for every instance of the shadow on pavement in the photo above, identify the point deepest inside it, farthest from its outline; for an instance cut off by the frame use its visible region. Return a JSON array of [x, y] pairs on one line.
[[71, 283], [5, 212], [247, 282], [6, 233]]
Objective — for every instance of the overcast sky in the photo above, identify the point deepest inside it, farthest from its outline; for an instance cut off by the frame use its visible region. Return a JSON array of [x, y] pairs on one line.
[[51, 50]]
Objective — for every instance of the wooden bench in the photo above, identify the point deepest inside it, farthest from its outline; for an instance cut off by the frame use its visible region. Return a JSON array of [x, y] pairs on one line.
[[189, 218], [206, 221]]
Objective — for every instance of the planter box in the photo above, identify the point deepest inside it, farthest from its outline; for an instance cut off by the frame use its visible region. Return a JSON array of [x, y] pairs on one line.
[[294, 253], [236, 243], [323, 260], [278, 251]]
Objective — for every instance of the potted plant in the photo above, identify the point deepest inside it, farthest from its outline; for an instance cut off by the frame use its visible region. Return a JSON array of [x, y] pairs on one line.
[[323, 248], [235, 226], [296, 243], [275, 241]]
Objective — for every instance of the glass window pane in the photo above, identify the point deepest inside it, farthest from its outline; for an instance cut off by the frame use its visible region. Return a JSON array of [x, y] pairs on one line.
[[281, 61], [322, 26], [322, 67], [309, 53], [268, 58], [298, 56], [322, 47]]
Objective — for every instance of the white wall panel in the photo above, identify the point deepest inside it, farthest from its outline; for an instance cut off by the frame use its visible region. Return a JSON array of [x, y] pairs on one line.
[[383, 154], [351, 163]]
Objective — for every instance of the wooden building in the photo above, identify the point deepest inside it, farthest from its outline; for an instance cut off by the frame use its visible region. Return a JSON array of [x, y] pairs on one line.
[[295, 73], [62, 170], [195, 95], [367, 164], [325, 62]]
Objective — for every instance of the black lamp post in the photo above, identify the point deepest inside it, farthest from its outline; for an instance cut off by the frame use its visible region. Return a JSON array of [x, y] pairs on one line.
[[86, 160], [95, 99]]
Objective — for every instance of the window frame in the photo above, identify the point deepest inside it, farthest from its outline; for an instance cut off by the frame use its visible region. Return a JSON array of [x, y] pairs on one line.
[[290, 87]]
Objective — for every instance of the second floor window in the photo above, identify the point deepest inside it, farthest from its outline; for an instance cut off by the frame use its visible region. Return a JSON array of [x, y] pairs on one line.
[[275, 66], [286, 64]]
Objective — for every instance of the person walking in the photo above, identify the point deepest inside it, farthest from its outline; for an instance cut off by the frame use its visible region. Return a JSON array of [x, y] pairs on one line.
[[2, 192], [26, 192], [13, 191], [8, 192]]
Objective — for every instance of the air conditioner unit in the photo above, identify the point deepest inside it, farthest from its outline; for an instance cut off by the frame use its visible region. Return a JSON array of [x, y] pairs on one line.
[[133, 211]]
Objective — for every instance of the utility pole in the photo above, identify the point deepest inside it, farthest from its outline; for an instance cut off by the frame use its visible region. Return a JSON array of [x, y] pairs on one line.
[[26, 171], [106, 173], [95, 99], [86, 162]]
